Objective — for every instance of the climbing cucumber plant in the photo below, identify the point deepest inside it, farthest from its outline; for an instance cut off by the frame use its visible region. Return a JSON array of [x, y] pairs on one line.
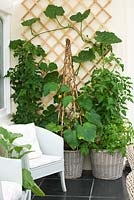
[[31, 79], [32, 75]]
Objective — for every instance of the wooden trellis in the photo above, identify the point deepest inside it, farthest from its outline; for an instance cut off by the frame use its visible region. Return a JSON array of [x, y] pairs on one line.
[[54, 42]]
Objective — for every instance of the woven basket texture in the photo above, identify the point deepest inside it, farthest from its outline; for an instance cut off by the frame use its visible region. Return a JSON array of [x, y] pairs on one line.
[[130, 185], [130, 155], [105, 165], [73, 161]]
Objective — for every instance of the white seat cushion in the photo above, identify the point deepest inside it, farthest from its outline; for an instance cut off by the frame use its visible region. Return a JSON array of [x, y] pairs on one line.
[[29, 137], [43, 160], [11, 190]]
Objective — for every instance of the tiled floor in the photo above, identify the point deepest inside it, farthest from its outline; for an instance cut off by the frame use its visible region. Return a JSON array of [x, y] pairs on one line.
[[84, 188]]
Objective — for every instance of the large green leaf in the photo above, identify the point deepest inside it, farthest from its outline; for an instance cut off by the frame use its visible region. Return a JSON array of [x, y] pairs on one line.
[[50, 87], [67, 100], [107, 38], [84, 56], [71, 138], [93, 117], [64, 88], [51, 77], [54, 127], [53, 11], [4, 133], [85, 102], [18, 149], [9, 135], [29, 22], [87, 132], [4, 143], [14, 136], [79, 17], [28, 183]]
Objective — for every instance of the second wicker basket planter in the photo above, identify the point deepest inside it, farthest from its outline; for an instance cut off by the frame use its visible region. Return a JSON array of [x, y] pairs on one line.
[[73, 161], [105, 165]]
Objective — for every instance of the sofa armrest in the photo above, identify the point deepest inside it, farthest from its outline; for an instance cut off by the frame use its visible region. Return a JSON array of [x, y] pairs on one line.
[[130, 155], [10, 170], [50, 143]]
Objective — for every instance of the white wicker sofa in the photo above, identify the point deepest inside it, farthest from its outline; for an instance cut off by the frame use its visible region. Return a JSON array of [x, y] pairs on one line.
[[48, 151]]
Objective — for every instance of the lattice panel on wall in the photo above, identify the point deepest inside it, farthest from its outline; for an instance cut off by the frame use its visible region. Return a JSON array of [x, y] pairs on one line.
[[54, 42]]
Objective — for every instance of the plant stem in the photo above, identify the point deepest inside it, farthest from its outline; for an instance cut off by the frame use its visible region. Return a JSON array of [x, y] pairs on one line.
[[70, 26], [48, 31]]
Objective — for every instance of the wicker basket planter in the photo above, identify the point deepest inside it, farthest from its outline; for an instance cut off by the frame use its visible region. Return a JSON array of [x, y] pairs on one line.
[[105, 165], [73, 161]]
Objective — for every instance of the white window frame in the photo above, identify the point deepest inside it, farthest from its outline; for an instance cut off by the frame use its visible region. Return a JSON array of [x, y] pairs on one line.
[[6, 62]]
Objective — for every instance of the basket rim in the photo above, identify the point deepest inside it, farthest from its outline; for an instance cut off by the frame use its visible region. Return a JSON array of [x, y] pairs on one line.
[[71, 151], [105, 151]]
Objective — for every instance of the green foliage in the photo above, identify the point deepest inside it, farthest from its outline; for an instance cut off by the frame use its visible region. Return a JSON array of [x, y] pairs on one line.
[[30, 22], [107, 38], [52, 76], [50, 87], [85, 102], [79, 17], [11, 150], [78, 131], [28, 79], [70, 137], [7, 139], [86, 132], [110, 91], [67, 100], [115, 136], [28, 183], [84, 56], [53, 11], [53, 127], [106, 85], [47, 68], [93, 118], [64, 88], [100, 117]]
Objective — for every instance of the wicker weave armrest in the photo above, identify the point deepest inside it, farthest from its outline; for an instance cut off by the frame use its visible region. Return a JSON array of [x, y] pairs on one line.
[[130, 155], [130, 185]]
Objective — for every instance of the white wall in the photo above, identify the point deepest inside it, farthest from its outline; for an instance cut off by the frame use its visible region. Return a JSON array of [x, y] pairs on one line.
[[122, 23], [130, 50]]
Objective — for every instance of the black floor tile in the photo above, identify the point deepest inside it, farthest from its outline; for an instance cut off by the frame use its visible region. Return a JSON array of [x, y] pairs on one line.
[[78, 187], [82, 188], [77, 198], [107, 198], [87, 174], [108, 188], [75, 187], [52, 187], [39, 181], [50, 198], [61, 198]]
